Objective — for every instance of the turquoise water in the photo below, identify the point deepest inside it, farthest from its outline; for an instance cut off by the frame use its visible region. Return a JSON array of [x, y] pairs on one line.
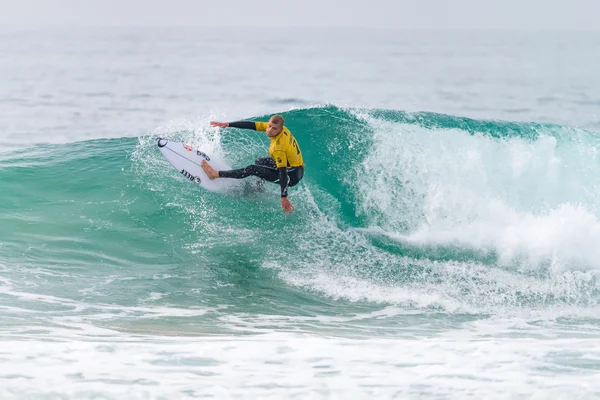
[[432, 254]]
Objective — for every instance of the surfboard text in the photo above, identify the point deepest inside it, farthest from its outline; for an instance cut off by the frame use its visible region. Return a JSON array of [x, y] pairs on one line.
[[202, 154], [190, 176]]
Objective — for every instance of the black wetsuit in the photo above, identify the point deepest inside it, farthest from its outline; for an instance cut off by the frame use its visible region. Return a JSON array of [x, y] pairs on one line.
[[277, 168]]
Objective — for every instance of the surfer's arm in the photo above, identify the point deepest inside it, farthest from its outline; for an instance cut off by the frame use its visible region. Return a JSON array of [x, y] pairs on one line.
[[281, 163], [255, 126], [283, 181], [238, 124], [243, 125]]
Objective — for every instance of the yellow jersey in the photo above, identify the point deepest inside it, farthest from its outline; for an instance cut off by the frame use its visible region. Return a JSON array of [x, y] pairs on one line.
[[284, 148]]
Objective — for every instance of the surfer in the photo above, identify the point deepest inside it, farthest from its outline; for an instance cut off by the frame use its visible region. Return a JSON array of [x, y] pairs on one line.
[[285, 166]]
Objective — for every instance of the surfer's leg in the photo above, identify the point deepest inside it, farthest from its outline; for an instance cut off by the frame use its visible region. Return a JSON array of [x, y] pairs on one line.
[[266, 173], [267, 162], [210, 171]]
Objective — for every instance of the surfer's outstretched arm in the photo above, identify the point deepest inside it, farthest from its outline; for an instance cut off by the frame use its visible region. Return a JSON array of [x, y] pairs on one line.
[[236, 124]]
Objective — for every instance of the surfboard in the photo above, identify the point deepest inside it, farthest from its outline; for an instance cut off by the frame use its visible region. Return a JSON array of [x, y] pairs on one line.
[[188, 161]]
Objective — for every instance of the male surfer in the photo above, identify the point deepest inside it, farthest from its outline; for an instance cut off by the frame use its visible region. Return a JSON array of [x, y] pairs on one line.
[[284, 166]]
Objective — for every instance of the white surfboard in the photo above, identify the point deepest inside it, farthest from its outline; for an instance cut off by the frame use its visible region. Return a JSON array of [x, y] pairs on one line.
[[188, 161]]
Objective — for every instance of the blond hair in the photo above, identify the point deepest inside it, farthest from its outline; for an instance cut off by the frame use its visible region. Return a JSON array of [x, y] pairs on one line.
[[277, 119]]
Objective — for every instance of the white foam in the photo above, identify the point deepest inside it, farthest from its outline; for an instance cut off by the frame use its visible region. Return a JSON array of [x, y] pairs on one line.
[[284, 364], [530, 202]]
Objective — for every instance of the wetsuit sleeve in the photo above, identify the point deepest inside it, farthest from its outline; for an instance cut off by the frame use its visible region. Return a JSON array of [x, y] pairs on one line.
[[283, 181], [281, 163], [262, 126], [243, 125]]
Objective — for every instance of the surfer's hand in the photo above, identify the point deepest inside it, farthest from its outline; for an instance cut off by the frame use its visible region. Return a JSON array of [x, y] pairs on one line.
[[287, 206], [219, 124]]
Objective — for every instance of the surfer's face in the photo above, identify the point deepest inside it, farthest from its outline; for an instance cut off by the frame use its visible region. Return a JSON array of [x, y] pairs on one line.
[[274, 129]]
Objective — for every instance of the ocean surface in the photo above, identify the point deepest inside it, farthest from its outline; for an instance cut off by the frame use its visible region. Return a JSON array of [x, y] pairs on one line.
[[445, 243]]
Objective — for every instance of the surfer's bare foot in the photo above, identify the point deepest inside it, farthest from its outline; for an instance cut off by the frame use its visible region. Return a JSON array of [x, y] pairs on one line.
[[210, 171]]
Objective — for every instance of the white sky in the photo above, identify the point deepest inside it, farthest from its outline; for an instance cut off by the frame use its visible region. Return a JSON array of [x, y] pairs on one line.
[[401, 14]]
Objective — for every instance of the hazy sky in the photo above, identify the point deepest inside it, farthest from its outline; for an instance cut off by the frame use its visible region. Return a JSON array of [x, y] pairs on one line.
[[409, 14]]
